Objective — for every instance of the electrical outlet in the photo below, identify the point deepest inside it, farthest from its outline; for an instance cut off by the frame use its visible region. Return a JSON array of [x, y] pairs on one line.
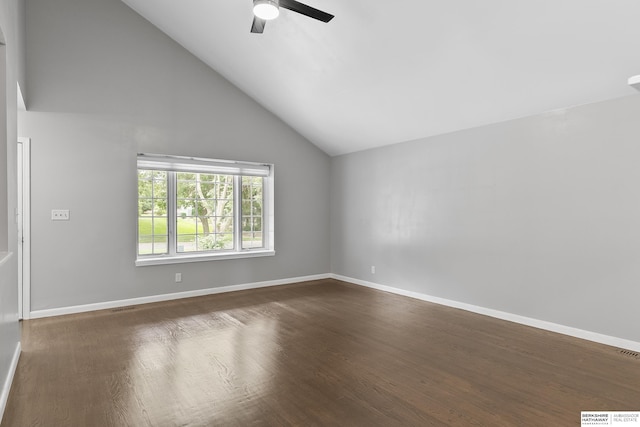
[[60, 214], [178, 277], [373, 269]]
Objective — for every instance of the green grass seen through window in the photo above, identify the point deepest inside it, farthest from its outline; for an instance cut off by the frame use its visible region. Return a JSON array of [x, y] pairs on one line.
[[160, 227]]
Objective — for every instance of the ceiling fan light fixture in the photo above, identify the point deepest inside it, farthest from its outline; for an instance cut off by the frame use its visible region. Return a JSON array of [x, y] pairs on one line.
[[266, 9]]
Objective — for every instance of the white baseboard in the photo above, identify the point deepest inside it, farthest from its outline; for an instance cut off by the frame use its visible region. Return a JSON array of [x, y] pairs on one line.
[[536, 323], [540, 324], [4, 394], [172, 296]]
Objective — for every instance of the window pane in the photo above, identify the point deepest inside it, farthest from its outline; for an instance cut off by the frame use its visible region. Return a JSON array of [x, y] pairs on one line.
[[226, 240], [204, 208], [186, 225], [215, 241], [145, 244], [150, 244], [186, 208], [159, 207], [145, 226], [145, 186], [145, 174], [208, 190], [206, 177], [152, 211], [206, 225], [186, 188], [252, 199], [224, 225], [159, 226], [208, 243], [186, 176], [160, 245], [251, 240], [144, 207], [187, 243], [224, 207], [160, 189]]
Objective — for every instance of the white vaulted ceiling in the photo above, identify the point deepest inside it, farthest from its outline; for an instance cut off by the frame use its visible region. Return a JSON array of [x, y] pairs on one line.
[[383, 72]]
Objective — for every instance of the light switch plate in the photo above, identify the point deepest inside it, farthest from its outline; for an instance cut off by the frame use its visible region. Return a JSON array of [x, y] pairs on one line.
[[60, 214]]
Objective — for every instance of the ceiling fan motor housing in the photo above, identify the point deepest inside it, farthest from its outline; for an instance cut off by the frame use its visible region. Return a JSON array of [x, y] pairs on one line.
[[266, 9]]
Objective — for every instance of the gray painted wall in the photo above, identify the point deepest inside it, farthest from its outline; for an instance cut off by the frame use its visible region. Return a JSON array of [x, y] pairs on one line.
[[12, 23], [538, 217], [105, 84], [535, 217]]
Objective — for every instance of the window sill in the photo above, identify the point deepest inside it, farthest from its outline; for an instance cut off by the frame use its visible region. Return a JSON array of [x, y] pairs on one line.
[[161, 260]]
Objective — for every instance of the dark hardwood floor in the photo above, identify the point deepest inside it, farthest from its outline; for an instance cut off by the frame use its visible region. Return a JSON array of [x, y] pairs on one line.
[[322, 353]]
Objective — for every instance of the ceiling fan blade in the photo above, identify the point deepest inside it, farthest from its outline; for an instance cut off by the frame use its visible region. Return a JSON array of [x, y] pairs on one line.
[[258, 25], [306, 10]]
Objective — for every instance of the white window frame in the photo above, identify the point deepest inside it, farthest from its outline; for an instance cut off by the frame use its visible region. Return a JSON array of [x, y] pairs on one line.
[[212, 166]]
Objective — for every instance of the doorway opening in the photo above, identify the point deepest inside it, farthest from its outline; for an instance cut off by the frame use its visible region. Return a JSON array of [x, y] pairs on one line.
[[23, 219]]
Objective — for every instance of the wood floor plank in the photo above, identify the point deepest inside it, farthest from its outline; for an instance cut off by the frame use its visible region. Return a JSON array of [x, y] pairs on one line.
[[324, 353]]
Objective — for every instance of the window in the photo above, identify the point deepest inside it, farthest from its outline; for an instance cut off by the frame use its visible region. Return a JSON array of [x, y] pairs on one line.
[[193, 209]]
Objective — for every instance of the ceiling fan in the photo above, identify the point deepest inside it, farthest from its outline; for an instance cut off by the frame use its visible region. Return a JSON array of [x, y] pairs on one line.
[[266, 10]]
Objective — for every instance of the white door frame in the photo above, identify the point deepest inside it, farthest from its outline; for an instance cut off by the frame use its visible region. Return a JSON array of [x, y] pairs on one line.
[[24, 216]]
